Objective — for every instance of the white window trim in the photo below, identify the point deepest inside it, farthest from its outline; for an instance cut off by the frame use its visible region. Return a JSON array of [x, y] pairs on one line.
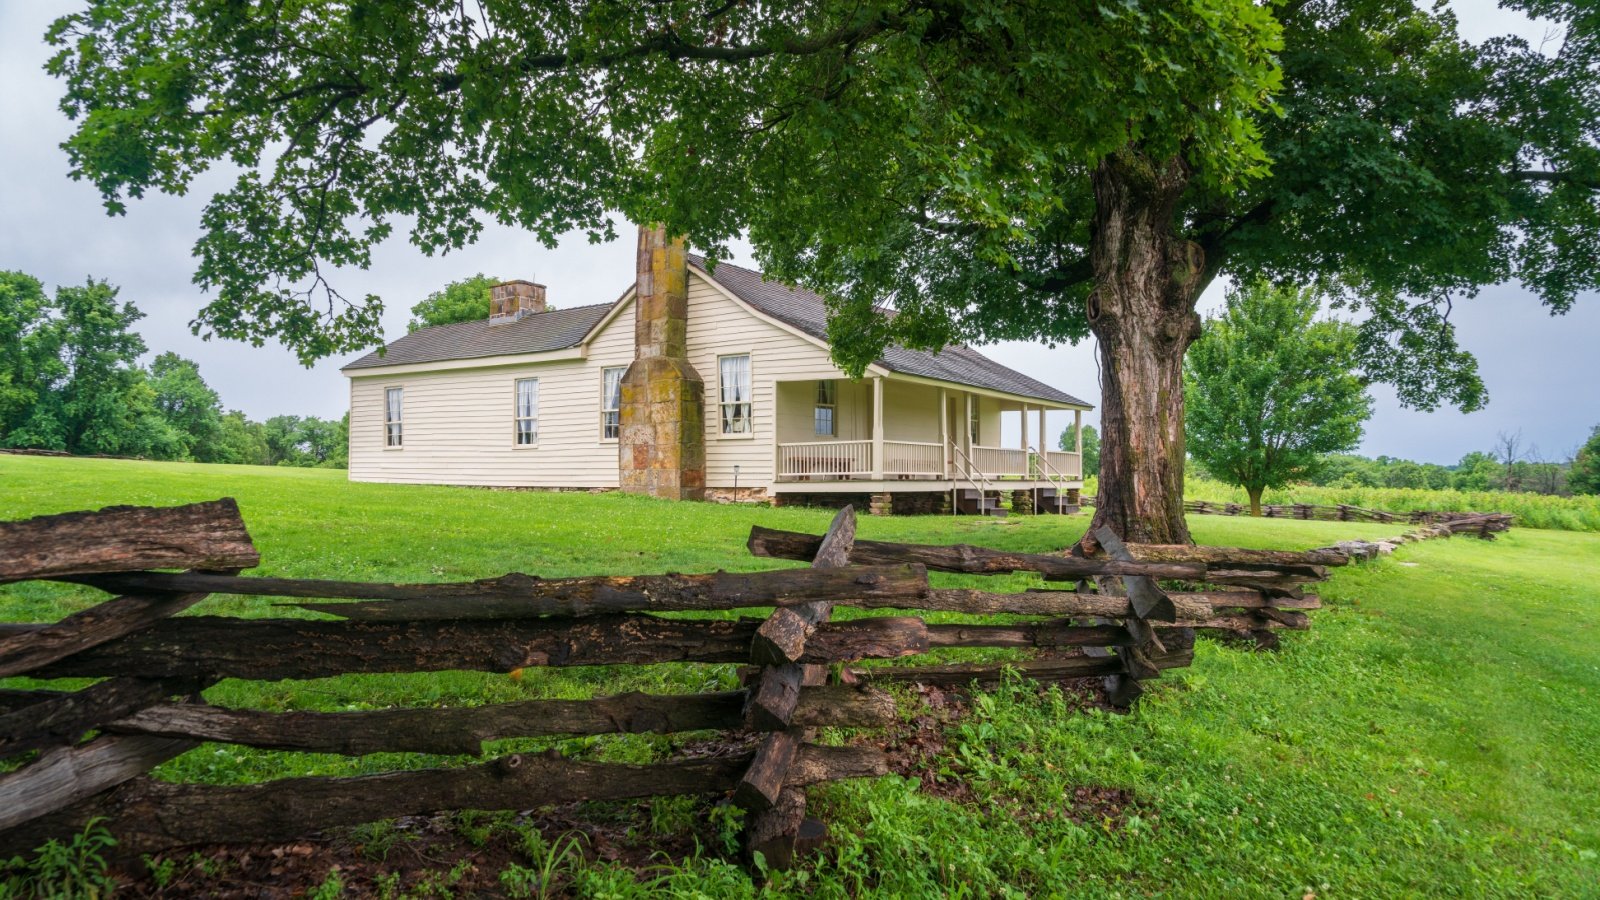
[[736, 436], [604, 410], [516, 413], [833, 408], [400, 422]]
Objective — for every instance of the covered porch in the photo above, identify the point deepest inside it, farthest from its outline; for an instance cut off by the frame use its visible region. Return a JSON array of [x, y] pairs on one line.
[[881, 432]]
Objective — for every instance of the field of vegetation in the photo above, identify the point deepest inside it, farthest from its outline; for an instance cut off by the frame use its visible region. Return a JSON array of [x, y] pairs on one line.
[[1579, 513], [1433, 734]]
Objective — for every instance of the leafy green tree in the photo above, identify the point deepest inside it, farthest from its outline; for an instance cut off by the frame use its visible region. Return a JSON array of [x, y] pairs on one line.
[[1584, 476], [1091, 446], [1477, 471], [23, 306], [98, 394], [1270, 390], [188, 404], [282, 436], [241, 441], [1080, 168], [466, 300]]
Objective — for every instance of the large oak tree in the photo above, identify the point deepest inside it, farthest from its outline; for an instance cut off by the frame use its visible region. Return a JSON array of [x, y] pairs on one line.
[[991, 170]]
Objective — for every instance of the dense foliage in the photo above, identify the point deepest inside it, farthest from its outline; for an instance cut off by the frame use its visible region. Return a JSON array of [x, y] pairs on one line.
[[70, 381], [1584, 477], [466, 300], [1270, 390], [990, 170], [1091, 446]]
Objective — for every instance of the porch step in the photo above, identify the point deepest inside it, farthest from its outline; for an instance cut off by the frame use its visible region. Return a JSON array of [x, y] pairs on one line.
[[973, 502], [1054, 503]]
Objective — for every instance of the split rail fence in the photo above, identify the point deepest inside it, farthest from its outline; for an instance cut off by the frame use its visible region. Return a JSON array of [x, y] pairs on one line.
[[1479, 523], [87, 753]]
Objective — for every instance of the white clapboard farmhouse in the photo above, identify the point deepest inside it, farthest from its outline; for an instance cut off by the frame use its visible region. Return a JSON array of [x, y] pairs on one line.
[[697, 380]]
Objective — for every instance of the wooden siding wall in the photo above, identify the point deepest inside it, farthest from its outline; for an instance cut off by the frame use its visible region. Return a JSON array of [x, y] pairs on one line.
[[458, 423]]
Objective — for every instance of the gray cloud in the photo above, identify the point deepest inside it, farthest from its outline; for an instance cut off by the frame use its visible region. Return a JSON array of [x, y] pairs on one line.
[[55, 229]]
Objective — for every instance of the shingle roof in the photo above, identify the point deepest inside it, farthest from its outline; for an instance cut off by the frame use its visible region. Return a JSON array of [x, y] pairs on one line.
[[808, 312], [557, 329]]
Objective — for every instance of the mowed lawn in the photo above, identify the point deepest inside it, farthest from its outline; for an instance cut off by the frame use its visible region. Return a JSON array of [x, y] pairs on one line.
[[1436, 732]]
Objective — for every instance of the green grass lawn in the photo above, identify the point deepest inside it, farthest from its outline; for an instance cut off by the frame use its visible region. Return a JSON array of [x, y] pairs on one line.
[[1436, 732]]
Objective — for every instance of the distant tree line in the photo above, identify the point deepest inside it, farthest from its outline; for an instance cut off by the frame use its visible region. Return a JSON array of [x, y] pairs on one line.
[[70, 381], [1509, 465]]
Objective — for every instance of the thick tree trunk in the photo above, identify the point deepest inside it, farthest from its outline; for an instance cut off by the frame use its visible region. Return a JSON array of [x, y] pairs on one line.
[[1141, 310], [1255, 500]]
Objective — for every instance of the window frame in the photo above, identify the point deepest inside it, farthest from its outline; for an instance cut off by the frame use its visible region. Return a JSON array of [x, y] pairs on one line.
[[974, 418], [604, 409], [394, 428], [826, 398], [517, 418], [749, 403]]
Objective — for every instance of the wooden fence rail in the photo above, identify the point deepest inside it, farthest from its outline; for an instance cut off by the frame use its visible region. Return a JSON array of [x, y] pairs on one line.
[[1482, 524], [803, 669]]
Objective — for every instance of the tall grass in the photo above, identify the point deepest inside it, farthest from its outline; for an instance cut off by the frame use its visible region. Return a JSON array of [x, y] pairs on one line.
[[1531, 510]]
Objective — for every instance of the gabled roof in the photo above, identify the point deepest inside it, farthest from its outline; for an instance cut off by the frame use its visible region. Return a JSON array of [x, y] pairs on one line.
[[808, 312], [560, 329], [556, 329]]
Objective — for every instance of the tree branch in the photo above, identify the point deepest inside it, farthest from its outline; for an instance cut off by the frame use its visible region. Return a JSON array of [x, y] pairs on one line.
[[1589, 181]]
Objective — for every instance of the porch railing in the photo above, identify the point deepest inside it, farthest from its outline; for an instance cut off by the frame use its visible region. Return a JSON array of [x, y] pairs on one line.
[[1001, 462], [913, 459], [825, 459], [1063, 463]]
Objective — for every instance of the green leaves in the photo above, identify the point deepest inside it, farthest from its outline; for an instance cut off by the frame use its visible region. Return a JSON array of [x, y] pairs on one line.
[[1270, 390]]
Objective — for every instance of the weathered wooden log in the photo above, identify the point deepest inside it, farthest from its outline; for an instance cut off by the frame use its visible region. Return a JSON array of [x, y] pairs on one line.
[[965, 558], [1146, 598], [781, 642], [763, 781], [517, 595], [59, 718], [1054, 602], [302, 648], [26, 651], [775, 833], [207, 535], [990, 674], [1229, 557], [461, 730], [777, 689], [1248, 599], [1061, 633], [149, 816], [60, 778]]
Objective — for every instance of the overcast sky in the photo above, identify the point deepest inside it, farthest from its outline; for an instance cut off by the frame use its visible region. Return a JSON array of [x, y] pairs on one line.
[[1538, 368]]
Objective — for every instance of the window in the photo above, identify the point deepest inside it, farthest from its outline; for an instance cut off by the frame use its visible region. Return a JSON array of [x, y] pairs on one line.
[[393, 399], [827, 400], [527, 412], [611, 402], [972, 422], [734, 380]]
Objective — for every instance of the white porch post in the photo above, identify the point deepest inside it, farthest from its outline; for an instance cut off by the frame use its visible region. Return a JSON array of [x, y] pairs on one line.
[[1077, 431], [1025, 443], [944, 432], [966, 431], [877, 428]]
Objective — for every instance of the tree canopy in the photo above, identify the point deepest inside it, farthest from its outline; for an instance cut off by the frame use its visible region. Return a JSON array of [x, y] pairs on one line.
[[466, 300], [991, 171], [1585, 475], [1091, 446], [1271, 390]]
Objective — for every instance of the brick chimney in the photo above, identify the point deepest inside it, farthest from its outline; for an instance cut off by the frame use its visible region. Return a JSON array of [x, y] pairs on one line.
[[511, 300], [662, 451]]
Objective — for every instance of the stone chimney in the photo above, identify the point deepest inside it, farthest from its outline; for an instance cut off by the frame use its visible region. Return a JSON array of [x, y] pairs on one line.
[[511, 300], [662, 451]]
